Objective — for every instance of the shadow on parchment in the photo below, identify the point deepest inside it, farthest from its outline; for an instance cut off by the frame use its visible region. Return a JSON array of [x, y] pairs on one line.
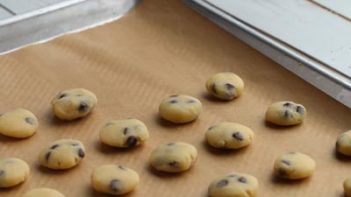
[[153, 171], [92, 193], [278, 127], [281, 181], [115, 150], [223, 152], [58, 122]]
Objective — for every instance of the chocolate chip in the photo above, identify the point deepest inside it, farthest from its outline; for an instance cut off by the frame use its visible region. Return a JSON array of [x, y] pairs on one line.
[[300, 110], [132, 141], [47, 156], [222, 183], [83, 107], [74, 144], [54, 146], [62, 95], [121, 167], [238, 136], [125, 131], [287, 104], [191, 101], [115, 185], [242, 180], [286, 162], [173, 101], [81, 153], [30, 120], [282, 172], [229, 86], [232, 175], [174, 164], [214, 88], [287, 114], [2, 172]]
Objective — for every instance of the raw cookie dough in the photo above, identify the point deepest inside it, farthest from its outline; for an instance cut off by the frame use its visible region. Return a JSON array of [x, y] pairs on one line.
[[19, 123], [114, 179], [347, 187], [124, 133], [225, 86], [13, 171], [229, 135], [286, 113], [73, 103], [62, 154], [294, 165], [43, 192], [234, 185], [180, 108], [343, 143], [173, 157]]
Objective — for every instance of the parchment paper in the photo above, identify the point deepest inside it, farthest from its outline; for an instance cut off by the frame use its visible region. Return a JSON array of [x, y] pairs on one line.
[[163, 48]]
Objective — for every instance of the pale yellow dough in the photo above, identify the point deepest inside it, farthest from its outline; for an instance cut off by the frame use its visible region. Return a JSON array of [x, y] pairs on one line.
[[13, 171], [286, 113], [43, 192], [124, 133], [229, 135], [73, 103], [294, 165], [343, 143], [114, 179], [180, 108], [173, 157], [62, 154], [19, 123], [234, 185], [225, 86]]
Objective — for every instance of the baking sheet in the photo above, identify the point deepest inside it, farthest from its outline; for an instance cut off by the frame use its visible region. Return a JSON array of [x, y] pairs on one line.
[[162, 48]]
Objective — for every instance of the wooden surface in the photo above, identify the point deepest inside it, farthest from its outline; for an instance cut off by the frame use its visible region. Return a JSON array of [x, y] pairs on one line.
[[162, 48]]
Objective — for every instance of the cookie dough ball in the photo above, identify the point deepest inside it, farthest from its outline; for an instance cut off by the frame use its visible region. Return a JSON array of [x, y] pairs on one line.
[[347, 187], [180, 108], [73, 103], [173, 157], [229, 135], [286, 113], [343, 143], [43, 192], [234, 185], [124, 133], [294, 165], [114, 179], [19, 123], [62, 154], [13, 171], [225, 86]]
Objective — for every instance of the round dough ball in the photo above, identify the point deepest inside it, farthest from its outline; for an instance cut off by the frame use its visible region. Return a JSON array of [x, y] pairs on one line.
[[234, 185], [62, 154], [225, 86], [343, 143], [180, 108], [124, 133], [229, 135], [286, 113], [173, 157], [347, 187], [73, 103], [294, 165], [19, 123], [114, 179], [13, 171], [43, 192]]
